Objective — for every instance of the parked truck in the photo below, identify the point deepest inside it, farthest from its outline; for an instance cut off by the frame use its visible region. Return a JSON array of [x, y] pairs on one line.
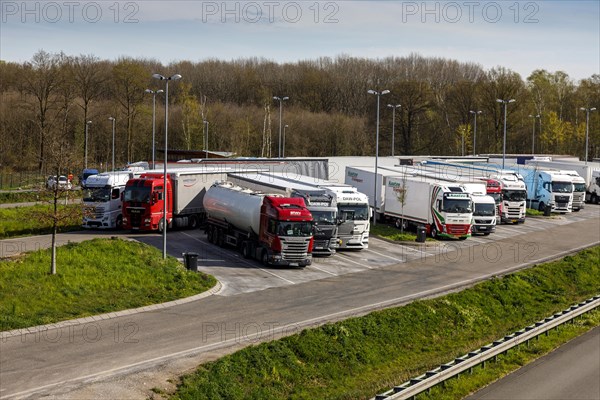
[[593, 189], [445, 209], [514, 191], [548, 190], [484, 208], [588, 171], [102, 206], [274, 229], [143, 198], [353, 210], [320, 202], [579, 189]]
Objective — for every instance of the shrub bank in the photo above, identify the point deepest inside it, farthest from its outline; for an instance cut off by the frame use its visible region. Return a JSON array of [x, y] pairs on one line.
[[359, 357]]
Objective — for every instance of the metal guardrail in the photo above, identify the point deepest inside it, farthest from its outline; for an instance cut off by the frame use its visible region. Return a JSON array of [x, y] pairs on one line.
[[436, 376]]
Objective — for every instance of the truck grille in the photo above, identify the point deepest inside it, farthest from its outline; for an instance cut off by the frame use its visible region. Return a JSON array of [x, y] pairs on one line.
[[295, 249], [457, 229], [135, 216], [562, 199], [483, 222], [514, 212]]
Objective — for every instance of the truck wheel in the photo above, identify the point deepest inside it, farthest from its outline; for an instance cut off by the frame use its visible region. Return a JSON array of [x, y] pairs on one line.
[[193, 222], [434, 232], [265, 258], [594, 199], [209, 234], [541, 207], [397, 223], [220, 238], [119, 224], [161, 226], [245, 249]]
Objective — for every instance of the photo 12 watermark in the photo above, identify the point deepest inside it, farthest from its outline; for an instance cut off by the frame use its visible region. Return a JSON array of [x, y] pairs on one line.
[[470, 11], [52, 12]]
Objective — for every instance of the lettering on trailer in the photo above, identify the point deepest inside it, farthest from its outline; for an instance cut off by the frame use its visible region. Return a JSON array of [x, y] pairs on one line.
[[354, 176]]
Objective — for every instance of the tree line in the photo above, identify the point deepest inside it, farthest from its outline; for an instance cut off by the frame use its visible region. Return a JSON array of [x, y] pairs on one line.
[[49, 102]]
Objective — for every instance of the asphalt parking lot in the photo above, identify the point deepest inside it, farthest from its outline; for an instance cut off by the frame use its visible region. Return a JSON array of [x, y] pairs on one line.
[[239, 275]]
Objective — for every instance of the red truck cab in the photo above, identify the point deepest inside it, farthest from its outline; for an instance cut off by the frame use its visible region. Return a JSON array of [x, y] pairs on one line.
[[143, 201], [494, 189]]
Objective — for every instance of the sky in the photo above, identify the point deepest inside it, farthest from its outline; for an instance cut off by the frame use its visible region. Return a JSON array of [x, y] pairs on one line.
[[519, 35]]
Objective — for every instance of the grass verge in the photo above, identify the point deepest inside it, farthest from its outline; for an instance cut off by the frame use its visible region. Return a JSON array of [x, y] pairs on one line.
[[516, 358], [28, 196], [93, 277], [392, 233], [23, 221], [360, 357]]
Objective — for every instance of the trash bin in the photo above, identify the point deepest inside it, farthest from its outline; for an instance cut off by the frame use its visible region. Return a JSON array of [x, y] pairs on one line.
[[190, 261], [421, 234], [548, 211]]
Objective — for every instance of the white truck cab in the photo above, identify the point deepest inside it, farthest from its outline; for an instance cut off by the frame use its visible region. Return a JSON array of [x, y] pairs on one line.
[[102, 206]]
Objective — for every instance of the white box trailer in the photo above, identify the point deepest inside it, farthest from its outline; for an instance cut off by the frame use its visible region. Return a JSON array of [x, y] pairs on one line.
[[363, 179], [443, 208]]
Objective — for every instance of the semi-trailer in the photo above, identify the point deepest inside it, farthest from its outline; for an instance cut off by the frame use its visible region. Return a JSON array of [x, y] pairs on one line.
[[445, 209], [102, 205], [274, 229], [143, 198], [353, 210], [320, 202], [514, 191], [589, 171]]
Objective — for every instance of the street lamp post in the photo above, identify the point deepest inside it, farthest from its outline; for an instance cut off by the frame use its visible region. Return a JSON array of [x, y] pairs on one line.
[[206, 138], [88, 123], [475, 113], [378, 94], [283, 147], [280, 100], [587, 129], [505, 102], [114, 120], [154, 93], [533, 133], [393, 107], [165, 191]]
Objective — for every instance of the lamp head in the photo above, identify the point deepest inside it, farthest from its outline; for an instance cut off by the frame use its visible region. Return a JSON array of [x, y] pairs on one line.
[[385, 92], [158, 76], [175, 77]]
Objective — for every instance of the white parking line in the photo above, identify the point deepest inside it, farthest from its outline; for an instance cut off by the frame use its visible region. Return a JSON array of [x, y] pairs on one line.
[[322, 270], [347, 258], [233, 255], [385, 255]]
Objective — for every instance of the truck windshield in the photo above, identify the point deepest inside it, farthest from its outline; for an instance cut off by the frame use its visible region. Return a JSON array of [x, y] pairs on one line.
[[457, 205], [562, 187], [137, 194], [300, 229], [353, 212], [497, 197], [323, 217], [96, 194], [579, 187], [484, 210], [514, 195]]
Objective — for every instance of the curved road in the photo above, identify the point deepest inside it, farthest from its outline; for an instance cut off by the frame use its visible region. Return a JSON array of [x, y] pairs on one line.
[[70, 361], [571, 372]]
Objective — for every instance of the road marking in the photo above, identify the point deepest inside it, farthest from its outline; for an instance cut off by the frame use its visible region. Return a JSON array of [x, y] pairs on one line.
[[347, 258], [385, 255], [320, 269], [239, 259]]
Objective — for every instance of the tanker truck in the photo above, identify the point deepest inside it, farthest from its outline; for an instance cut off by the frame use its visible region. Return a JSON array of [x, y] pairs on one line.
[[320, 202], [274, 229]]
